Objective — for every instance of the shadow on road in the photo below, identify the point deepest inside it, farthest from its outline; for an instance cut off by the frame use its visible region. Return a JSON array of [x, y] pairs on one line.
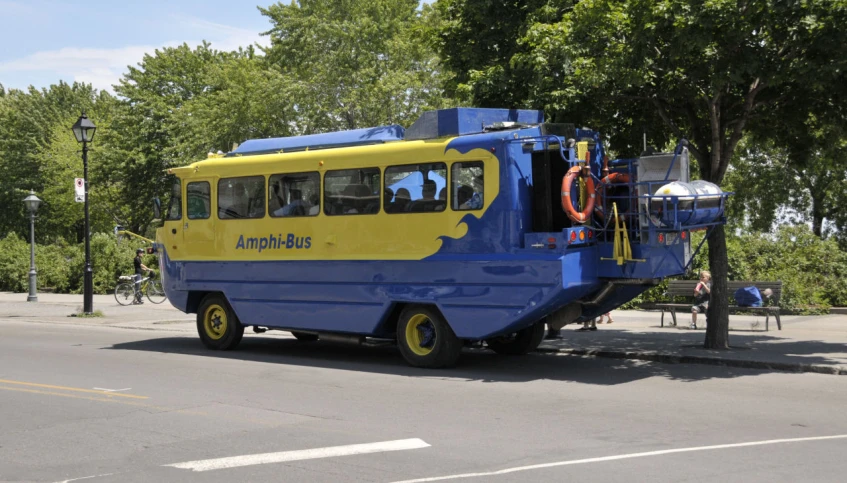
[[480, 364]]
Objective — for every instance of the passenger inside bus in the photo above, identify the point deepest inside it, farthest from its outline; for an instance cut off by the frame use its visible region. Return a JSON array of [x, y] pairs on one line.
[[401, 201], [276, 202], [296, 207], [315, 200], [463, 198], [427, 202], [353, 198]]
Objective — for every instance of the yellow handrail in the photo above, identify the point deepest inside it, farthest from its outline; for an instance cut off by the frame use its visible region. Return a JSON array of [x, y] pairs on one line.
[[621, 249], [126, 232]]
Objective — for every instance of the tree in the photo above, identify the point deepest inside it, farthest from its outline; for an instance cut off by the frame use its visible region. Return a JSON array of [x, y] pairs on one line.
[[146, 129], [353, 63], [775, 180], [708, 69], [38, 152], [245, 100]]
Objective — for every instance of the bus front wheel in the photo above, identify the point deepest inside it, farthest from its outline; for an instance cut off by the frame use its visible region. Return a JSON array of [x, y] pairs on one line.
[[425, 339], [217, 324], [520, 343]]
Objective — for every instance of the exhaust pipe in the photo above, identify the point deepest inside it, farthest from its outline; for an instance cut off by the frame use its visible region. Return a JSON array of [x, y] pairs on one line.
[[341, 338]]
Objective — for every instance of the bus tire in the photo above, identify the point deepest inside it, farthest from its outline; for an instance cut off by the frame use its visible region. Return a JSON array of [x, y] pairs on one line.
[[304, 337], [520, 343], [425, 338], [217, 324]]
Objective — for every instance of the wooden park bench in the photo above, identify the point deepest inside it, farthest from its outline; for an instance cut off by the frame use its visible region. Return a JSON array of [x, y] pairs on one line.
[[685, 289]]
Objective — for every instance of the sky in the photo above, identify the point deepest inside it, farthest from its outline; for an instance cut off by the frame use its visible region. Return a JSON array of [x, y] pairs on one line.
[[93, 41]]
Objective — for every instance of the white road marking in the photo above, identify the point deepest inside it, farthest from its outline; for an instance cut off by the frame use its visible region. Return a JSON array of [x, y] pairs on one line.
[[620, 457], [111, 390], [306, 454], [86, 477]]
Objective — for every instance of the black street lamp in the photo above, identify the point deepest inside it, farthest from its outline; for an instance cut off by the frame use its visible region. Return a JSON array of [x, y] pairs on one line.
[[32, 203], [84, 132]]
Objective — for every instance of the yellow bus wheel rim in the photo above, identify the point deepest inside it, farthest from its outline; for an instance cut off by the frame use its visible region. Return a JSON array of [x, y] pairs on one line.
[[215, 322], [420, 335]]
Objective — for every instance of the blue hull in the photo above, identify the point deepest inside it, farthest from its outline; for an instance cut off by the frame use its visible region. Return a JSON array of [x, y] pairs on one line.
[[479, 298]]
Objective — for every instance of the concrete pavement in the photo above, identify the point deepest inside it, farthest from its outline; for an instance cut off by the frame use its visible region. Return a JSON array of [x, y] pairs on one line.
[[806, 343]]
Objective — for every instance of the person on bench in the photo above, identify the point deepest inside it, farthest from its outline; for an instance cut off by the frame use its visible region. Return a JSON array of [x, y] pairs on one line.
[[701, 297]]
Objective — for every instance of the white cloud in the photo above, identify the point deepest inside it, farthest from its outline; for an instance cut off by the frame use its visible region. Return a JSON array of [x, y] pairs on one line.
[[103, 67]]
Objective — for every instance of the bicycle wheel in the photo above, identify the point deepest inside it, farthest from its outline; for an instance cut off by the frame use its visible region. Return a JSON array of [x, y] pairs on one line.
[[155, 292], [125, 293]]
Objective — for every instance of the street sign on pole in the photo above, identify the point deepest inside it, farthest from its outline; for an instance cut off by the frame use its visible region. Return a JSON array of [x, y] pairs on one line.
[[79, 190]]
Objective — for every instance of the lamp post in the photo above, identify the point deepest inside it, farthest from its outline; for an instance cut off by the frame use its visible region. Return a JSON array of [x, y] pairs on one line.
[[32, 203], [84, 132]]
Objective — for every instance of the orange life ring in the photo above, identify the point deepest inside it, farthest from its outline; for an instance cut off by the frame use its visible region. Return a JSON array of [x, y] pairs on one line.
[[612, 178], [567, 205]]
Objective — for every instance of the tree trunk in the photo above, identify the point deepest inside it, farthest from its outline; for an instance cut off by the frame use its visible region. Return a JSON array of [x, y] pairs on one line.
[[717, 328], [817, 214]]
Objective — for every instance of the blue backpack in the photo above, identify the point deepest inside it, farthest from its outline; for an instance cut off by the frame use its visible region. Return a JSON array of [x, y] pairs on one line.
[[748, 297]]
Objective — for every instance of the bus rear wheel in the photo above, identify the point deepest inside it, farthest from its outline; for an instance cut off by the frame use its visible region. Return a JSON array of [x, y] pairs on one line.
[[520, 343], [425, 339], [217, 324]]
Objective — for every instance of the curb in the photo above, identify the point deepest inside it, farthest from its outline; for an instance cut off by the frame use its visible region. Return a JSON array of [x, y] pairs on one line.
[[711, 361]]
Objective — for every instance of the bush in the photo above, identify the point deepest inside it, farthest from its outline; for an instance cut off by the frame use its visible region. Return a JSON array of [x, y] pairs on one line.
[[60, 266], [108, 261], [14, 264]]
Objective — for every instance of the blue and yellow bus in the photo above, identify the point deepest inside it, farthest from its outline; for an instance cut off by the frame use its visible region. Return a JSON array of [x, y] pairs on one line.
[[471, 225]]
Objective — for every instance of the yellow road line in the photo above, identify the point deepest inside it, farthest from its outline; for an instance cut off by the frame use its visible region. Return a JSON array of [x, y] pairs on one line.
[[74, 389], [75, 396], [189, 412]]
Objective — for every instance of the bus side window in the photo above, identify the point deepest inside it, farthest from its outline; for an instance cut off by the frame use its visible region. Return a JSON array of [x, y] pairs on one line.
[[468, 186], [417, 188], [175, 205], [198, 200], [351, 191], [242, 197], [294, 194]]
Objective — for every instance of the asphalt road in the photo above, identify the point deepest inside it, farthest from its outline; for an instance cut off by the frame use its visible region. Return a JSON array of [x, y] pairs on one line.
[[104, 404]]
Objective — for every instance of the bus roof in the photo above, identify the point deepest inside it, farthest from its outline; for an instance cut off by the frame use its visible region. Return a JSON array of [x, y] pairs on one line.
[[356, 137], [457, 121]]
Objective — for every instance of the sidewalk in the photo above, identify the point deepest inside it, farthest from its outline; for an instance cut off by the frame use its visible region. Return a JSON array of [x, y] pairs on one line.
[[806, 343], [58, 308]]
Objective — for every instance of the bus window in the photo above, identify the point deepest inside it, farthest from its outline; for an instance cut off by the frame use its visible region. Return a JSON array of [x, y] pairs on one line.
[[468, 186], [175, 206], [198, 200], [351, 191], [294, 194], [416, 188], [241, 197]]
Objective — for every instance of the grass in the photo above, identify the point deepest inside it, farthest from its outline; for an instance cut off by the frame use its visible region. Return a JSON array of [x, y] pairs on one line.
[[80, 313]]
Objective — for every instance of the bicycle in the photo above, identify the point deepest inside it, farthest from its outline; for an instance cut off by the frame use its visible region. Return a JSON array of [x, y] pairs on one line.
[[125, 292]]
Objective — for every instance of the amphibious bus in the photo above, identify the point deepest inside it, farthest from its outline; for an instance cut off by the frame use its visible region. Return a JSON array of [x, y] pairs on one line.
[[471, 226]]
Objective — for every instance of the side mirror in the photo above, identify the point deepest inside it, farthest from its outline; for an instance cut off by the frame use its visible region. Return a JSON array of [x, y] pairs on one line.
[[157, 208]]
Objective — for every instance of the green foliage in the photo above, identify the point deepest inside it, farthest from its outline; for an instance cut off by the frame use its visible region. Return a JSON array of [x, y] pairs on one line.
[[60, 266], [109, 260], [81, 314], [14, 263], [354, 63], [54, 266], [38, 152]]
